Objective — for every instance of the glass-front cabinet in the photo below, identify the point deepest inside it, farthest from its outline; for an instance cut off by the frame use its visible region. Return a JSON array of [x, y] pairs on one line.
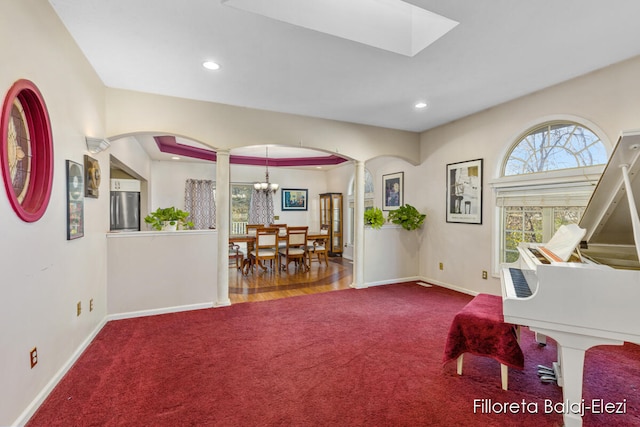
[[331, 220]]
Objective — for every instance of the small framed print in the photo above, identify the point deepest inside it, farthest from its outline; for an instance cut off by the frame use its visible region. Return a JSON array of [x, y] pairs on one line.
[[294, 199], [464, 192], [75, 200], [92, 177], [393, 186]]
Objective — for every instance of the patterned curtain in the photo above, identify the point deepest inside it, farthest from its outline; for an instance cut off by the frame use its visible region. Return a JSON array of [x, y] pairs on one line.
[[200, 202], [261, 208]]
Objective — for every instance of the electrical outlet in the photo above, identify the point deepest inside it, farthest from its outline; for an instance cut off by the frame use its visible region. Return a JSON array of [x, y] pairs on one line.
[[441, 266], [33, 357], [91, 304], [79, 308], [484, 274]]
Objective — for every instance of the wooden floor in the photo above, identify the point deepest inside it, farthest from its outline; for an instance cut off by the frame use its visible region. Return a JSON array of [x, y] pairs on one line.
[[266, 285]]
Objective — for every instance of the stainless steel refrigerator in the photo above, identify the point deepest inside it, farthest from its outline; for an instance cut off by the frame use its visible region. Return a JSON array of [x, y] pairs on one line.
[[125, 205]]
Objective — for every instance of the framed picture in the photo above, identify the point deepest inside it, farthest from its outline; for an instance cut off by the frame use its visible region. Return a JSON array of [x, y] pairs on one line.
[[393, 185], [75, 200], [464, 192], [91, 177], [294, 199]]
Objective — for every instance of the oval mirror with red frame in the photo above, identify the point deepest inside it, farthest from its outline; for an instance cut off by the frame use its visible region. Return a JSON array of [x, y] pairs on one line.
[[27, 150]]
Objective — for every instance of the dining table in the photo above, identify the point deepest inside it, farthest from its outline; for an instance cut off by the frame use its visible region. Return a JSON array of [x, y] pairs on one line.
[[250, 239]]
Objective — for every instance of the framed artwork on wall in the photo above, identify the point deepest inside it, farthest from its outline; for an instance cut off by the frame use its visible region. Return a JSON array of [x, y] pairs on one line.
[[464, 192], [294, 199], [92, 177], [393, 187], [26, 150], [75, 200]]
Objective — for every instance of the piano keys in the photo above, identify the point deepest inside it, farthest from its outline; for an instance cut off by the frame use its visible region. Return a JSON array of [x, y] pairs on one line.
[[519, 284], [584, 293]]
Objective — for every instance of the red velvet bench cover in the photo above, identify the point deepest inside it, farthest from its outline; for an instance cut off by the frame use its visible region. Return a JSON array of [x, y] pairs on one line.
[[479, 328]]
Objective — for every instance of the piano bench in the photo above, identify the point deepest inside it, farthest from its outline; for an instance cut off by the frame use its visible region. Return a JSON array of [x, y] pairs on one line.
[[504, 372], [479, 329]]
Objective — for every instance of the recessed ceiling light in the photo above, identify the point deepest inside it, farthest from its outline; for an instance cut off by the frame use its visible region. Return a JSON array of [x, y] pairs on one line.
[[175, 158], [420, 105], [210, 65]]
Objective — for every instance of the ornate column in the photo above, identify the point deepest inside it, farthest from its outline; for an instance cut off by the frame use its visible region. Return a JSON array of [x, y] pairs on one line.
[[222, 225]]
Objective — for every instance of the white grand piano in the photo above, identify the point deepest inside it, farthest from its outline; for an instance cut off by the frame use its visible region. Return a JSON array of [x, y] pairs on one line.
[[582, 288]]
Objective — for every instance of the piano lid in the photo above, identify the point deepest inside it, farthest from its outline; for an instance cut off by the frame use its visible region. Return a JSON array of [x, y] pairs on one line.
[[607, 217]]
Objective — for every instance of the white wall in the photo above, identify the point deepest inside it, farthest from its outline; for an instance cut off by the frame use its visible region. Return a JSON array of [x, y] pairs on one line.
[[154, 271], [607, 100], [43, 274], [227, 127], [391, 254], [168, 181]]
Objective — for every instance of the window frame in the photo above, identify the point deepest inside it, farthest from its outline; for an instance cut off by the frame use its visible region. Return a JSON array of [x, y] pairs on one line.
[[31, 206], [577, 183]]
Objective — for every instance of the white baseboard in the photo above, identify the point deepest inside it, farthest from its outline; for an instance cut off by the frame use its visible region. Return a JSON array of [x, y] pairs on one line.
[[44, 393], [156, 311], [448, 286], [391, 281]]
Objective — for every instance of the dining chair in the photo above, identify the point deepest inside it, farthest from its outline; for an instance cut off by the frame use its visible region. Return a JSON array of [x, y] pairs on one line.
[[282, 231], [295, 247], [265, 248], [236, 254], [251, 231], [319, 247], [251, 228]]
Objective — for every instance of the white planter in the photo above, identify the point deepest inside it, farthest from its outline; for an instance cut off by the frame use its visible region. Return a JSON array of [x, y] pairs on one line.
[[170, 226]]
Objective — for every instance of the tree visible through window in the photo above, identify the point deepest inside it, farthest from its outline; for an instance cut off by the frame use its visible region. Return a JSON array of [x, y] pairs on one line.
[[534, 213], [553, 147], [240, 199]]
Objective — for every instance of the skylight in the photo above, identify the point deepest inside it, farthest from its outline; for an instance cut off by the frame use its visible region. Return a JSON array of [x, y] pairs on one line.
[[392, 25]]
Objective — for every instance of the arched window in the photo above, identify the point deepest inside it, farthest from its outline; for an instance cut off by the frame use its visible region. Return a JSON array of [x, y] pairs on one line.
[[546, 181], [555, 146]]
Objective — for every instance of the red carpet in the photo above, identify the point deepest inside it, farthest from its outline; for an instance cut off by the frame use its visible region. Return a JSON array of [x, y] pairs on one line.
[[370, 357]]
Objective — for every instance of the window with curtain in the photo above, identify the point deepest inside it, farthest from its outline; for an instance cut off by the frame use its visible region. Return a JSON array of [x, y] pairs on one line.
[[199, 201], [547, 179], [261, 207]]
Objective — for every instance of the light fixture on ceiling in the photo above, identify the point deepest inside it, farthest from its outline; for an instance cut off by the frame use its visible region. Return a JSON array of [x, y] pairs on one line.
[[421, 105], [96, 145], [210, 65], [266, 186]]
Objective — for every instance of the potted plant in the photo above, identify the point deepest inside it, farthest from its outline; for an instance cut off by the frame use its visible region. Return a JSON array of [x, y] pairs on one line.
[[168, 219], [374, 218], [407, 216]]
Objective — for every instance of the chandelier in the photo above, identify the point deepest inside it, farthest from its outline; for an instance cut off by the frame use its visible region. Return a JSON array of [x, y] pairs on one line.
[[266, 186]]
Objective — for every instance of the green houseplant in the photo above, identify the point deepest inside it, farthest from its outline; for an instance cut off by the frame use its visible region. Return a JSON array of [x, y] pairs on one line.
[[407, 216], [374, 218], [168, 219]]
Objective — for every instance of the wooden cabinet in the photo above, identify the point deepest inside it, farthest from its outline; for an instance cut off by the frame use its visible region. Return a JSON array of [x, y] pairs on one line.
[[331, 220]]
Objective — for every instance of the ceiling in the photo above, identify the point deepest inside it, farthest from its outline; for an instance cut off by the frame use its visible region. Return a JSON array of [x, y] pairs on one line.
[[500, 50]]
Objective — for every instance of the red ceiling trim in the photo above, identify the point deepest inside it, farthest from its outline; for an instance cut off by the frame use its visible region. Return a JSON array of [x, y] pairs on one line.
[[168, 144]]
